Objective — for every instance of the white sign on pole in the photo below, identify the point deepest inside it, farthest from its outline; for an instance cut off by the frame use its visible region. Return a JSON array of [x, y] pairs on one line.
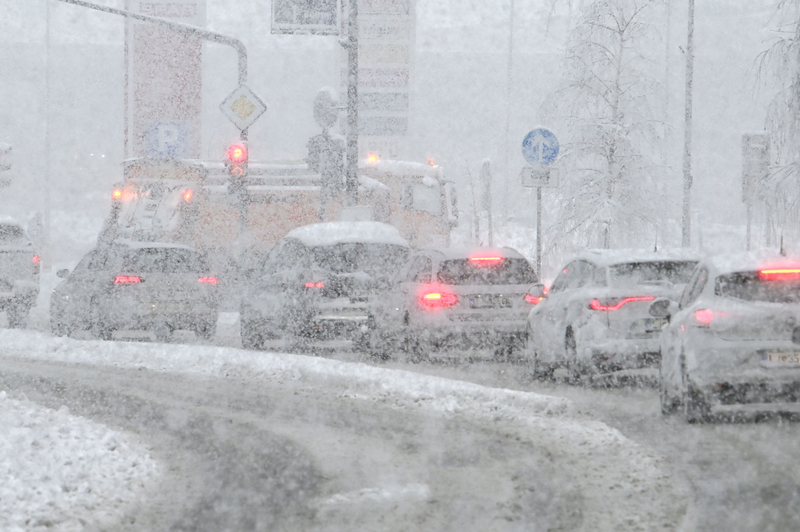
[[539, 177]]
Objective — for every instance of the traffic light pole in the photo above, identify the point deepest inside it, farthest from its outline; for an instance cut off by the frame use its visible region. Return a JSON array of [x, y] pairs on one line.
[[351, 180], [178, 27]]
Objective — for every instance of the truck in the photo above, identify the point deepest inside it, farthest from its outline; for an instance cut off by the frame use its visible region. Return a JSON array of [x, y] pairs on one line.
[[200, 204]]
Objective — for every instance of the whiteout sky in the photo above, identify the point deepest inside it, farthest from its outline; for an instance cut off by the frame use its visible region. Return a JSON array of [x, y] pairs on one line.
[[460, 99]]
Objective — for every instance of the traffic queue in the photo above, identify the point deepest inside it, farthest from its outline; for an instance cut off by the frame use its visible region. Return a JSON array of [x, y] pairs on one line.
[[721, 333]]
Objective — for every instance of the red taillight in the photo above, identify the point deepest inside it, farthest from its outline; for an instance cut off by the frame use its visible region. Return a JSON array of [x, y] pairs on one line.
[[597, 305], [208, 280], [36, 259], [187, 196], [127, 279], [318, 284], [438, 299], [486, 260], [780, 274], [704, 316], [533, 300]]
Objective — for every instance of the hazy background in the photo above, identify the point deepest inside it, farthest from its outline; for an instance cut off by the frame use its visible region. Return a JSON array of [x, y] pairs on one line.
[[460, 103]]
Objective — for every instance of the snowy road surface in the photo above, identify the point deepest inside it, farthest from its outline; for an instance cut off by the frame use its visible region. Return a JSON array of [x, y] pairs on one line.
[[258, 441]]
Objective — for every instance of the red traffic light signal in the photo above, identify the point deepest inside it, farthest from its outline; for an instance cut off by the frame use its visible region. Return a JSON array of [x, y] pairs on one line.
[[236, 159], [237, 153]]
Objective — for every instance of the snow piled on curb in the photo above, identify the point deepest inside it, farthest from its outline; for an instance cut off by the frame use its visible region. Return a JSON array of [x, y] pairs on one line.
[[622, 485], [61, 472]]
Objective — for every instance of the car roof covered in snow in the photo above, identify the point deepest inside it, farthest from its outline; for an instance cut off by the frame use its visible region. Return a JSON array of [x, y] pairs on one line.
[[609, 257], [332, 233], [467, 252], [752, 261]]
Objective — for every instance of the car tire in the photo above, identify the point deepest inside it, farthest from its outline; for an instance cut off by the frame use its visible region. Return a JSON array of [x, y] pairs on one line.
[[59, 328], [252, 338], [669, 405], [17, 316], [206, 330], [163, 333], [695, 407], [574, 371]]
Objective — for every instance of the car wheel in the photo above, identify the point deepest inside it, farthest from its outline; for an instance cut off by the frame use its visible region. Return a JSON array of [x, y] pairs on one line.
[[59, 328], [251, 337], [163, 333], [206, 330], [695, 408], [574, 372], [669, 405], [17, 315]]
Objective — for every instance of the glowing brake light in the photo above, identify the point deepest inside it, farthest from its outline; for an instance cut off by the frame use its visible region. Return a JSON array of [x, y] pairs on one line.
[[704, 317], [187, 196], [36, 259], [127, 279], [780, 274], [117, 194], [486, 258], [208, 280], [438, 299], [533, 300], [597, 305], [318, 284]]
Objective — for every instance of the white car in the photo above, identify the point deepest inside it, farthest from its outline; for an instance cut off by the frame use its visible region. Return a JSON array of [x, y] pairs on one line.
[[471, 298], [595, 319], [732, 347]]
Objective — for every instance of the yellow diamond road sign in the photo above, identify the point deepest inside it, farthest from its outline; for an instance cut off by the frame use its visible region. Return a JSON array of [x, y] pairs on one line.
[[243, 107]]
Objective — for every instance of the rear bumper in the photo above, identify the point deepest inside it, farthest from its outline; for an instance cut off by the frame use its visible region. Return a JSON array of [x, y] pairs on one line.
[[139, 316], [23, 292], [745, 400]]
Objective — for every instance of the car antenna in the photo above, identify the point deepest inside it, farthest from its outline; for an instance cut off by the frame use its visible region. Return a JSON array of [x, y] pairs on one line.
[[655, 248], [783, 250]]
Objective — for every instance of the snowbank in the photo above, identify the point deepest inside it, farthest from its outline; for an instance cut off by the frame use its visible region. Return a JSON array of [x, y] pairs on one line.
[[61, 472], [602, 461]]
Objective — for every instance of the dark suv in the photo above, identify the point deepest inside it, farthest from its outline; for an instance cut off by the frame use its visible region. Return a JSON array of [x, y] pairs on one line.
[[315, 283], [19, 274]]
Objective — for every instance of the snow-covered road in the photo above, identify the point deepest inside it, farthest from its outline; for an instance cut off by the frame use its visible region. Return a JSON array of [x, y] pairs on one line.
[[252, 441]]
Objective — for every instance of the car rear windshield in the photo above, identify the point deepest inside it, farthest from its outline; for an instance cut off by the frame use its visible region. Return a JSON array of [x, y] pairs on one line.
[[749, 286], [164, 260], [378, 260], [670, 272], [465, 272], [11, 234]]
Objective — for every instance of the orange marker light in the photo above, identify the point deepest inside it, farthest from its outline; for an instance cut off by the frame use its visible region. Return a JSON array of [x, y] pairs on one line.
[[187, 196]]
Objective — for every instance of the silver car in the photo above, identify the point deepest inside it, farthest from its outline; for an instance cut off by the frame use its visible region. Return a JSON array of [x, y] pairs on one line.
[[595, 319], [732, 347], [455, 299]]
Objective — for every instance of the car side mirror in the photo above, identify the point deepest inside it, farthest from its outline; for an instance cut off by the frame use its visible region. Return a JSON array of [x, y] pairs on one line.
[[62, 274], [537, 291], [662, 308]]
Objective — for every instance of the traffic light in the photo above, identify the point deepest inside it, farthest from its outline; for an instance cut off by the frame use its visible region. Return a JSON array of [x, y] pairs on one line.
[[236, 159]]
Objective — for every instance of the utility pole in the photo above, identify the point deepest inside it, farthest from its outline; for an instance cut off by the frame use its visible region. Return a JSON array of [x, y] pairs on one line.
[[351, 180], [687, 139]]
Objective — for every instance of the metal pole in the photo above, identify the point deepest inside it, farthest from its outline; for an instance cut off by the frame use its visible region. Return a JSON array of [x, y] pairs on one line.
[[687, 141], [509, 80], [539, 232], [351, 181], [46, 258]]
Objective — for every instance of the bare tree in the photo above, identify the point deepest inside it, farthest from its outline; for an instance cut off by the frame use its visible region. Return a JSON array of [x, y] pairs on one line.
[[780, 64], [608, 107]]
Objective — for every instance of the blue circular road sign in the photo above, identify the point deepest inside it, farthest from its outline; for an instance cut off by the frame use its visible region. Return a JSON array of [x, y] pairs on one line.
[[540, 147]]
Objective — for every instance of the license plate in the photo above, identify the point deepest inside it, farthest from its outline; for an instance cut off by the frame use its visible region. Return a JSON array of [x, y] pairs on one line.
[[792, 358], [489, 301]]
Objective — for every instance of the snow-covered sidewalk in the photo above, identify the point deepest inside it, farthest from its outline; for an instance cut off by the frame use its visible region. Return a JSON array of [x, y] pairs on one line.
[[60, 472], [602, 461]]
